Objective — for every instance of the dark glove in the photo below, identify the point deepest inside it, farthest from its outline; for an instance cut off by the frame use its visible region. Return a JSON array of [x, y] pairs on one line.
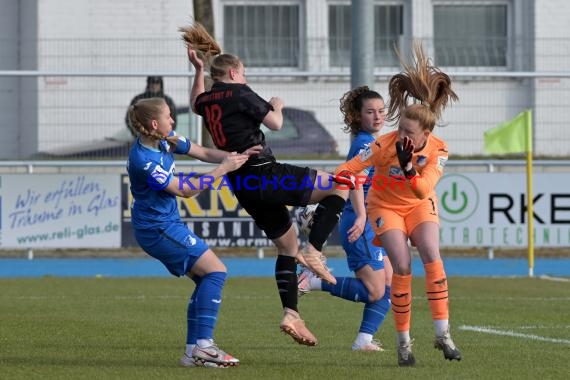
[[405, 151], [344, 177]]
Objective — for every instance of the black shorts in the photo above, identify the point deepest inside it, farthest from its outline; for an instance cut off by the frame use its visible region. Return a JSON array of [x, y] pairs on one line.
[[264, 192]]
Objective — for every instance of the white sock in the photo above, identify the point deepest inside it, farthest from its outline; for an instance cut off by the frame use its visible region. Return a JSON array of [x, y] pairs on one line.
[[403, 337], [189, 348], [203, 343], [441, 326], [363, 338]]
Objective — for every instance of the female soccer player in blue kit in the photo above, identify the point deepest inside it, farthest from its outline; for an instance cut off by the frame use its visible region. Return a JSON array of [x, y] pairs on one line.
[[364, 116], [160, 231]]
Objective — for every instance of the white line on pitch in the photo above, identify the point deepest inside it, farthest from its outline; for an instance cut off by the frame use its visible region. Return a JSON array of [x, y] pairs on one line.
[[514, 334], [549, 278]]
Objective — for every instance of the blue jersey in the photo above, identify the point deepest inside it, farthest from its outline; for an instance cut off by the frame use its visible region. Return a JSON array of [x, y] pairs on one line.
[[361, 141], [361, 252], [150, 171]]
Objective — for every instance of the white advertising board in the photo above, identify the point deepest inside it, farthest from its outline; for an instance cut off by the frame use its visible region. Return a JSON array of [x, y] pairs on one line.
[[60, 211], [490, 210]]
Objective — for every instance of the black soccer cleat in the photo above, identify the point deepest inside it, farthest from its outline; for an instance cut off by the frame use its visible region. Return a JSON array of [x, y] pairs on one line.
[[445, 343], [405, 356]]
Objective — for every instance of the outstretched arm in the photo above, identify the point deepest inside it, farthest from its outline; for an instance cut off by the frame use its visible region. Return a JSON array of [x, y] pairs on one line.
[[216, 155], [359, 163], [198, 83], [193, 186]]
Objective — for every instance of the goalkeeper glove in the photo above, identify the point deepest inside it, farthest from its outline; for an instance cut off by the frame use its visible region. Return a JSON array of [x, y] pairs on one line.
[[405, 151], [344, 177]]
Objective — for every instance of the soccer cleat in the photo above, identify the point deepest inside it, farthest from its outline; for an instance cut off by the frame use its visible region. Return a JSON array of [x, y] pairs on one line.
[[301, 260], [445, 343], [188, 361], [304, 217], [405, 356], [374, 345], [294, 326], [304, 282], [314, 260], [213, 356]]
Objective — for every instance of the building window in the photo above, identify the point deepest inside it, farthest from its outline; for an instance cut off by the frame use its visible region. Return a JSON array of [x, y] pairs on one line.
[[263, 35], [388, 28], [471, 35]]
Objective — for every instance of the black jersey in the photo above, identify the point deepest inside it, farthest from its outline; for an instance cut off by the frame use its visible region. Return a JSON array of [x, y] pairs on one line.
[[233, 114]]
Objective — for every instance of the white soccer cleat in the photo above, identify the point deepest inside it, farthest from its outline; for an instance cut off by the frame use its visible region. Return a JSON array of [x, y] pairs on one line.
[[213, 356], [188, 361], [304, 282], [372, 346], [304, 218]]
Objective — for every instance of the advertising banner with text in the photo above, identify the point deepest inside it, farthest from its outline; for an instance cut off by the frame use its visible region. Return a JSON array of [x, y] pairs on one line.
[[60, 211], [490, 210]]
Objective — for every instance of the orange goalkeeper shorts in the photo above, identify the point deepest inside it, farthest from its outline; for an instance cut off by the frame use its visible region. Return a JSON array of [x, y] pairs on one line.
[[403, 218]]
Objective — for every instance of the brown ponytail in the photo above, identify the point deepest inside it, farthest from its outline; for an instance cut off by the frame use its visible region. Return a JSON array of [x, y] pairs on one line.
[[424, 85]]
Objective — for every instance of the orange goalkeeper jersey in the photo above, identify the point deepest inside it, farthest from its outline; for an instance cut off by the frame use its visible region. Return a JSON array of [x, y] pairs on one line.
[[389, 188]]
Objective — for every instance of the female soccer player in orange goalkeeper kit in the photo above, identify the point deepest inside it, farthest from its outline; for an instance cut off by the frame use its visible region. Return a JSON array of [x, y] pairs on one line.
[[402, 203]]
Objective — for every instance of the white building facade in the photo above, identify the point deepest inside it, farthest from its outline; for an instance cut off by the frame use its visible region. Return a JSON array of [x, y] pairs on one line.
[[504, 56]]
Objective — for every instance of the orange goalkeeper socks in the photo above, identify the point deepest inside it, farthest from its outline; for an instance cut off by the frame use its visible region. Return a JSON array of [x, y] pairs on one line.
[[401, 297], [436, 290]]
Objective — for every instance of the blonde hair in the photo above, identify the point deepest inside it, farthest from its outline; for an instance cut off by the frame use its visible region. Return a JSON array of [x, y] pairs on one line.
[[209, 51], [141, 115], [351, 104], [199, 39], [425, 85]]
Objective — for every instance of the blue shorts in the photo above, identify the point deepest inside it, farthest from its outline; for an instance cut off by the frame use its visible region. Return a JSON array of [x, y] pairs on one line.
[[361, 252], [175, 246]]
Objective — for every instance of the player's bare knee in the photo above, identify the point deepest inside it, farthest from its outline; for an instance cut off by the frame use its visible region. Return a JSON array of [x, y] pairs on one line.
[[376, 294]]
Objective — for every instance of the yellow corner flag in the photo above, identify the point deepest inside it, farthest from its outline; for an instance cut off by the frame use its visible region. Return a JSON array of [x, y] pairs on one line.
[[513, 136]]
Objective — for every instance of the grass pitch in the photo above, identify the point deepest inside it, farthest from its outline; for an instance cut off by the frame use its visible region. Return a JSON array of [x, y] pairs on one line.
[[108, 328]]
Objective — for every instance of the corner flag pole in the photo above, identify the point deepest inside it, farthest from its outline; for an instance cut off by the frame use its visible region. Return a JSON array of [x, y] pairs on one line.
[[515, 136], [530, 197]]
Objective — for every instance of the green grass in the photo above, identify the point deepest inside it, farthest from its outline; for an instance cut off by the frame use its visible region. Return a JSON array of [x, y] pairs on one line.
[[59, 328]]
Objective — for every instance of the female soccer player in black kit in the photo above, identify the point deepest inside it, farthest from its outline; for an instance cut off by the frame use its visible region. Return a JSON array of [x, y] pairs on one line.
[[264, 187]]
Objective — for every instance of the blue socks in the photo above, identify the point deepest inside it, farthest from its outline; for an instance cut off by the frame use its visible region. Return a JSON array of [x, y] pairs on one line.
[[375, 313], [353, 289], [347, 288], [191, 314], [204, 306]]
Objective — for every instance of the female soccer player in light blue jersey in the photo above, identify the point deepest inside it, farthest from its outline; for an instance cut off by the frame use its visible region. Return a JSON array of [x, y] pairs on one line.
[[159, 229], [364, 115]]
